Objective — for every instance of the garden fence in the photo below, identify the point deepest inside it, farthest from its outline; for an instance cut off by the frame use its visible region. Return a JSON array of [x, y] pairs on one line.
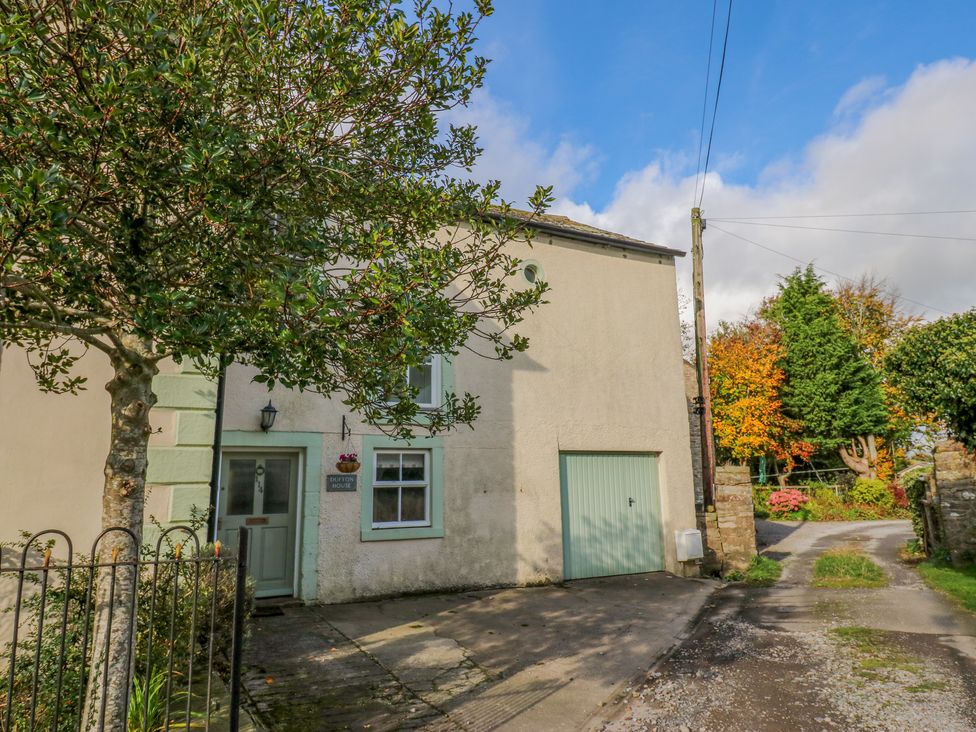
[[183, 650]]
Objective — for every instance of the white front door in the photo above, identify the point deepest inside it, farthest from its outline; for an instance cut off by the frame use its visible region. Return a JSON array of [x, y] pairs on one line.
[[259, 491]]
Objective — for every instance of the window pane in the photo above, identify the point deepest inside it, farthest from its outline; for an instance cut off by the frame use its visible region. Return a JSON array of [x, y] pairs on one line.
[[387, 466], [385, 502], [277, 485], [240, 488], [414, 504], [421, 377], [413, 466]]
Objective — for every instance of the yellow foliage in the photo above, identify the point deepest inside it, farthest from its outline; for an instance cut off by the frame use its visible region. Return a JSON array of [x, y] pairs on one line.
[[746, 408]]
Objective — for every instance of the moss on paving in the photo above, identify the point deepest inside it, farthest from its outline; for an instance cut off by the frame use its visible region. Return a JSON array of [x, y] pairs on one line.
[[957, 582], [847, 569], [877, 659], [927, 686]]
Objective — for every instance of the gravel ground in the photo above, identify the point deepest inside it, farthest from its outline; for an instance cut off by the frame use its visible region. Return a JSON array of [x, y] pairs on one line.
[[745, 669]]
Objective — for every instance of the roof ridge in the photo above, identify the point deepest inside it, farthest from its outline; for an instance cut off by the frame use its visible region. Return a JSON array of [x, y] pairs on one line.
[[558, 223]]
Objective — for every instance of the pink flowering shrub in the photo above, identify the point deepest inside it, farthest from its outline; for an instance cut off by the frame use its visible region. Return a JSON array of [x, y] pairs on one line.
[[786, 500], [349, 458]]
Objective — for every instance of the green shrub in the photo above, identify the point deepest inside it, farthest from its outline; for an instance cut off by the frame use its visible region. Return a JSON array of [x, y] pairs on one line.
[[827, 493], [760, 500], [813, 487], [152, 637], [872, 492], [828, 506]]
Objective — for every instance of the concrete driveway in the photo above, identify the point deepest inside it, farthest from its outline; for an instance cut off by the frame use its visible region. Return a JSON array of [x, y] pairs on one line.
[[542, 658]]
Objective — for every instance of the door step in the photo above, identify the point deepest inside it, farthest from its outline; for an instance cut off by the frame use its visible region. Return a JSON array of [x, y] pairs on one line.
[[269, 607]]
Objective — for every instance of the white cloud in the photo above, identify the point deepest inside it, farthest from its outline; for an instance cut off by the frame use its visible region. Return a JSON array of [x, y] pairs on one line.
[[901, 148], [858, 95], [519, 161], [907, 148]]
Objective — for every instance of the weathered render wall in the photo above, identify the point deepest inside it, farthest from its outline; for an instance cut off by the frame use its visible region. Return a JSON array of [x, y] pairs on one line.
[[53, 448], [603, 373], [52, 451], [955, 474]]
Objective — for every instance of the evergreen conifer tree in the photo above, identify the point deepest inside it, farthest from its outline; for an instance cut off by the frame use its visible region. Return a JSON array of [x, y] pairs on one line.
[[830, 387]]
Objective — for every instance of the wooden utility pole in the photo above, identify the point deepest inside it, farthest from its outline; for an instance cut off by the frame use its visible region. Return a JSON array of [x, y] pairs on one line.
[[704, 405]]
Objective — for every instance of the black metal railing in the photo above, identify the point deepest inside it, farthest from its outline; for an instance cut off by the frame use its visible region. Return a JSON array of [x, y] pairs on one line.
[[156, 629]]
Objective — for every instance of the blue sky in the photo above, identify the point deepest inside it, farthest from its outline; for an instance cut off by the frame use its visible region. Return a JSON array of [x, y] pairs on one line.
[[627, 76], [826, 107]]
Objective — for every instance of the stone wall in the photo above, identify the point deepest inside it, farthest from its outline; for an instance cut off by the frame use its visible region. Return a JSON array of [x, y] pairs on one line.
[[955, 474], [735, 519], [694, 426]]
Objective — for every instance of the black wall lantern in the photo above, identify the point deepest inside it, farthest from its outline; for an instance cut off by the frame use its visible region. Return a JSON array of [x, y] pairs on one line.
[[268, 415]]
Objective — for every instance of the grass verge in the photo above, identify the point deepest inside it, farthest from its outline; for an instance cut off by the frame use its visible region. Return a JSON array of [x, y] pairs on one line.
[[957, 582], [763, 571], [846, 569]]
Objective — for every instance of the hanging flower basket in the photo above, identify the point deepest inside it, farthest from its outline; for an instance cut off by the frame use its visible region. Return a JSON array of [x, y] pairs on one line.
[[348, 463]]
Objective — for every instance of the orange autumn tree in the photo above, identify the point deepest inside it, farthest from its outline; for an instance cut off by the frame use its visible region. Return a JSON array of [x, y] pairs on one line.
[[746, 408]]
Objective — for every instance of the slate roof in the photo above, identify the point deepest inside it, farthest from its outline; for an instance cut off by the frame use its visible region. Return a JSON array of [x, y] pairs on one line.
[[566, 227]]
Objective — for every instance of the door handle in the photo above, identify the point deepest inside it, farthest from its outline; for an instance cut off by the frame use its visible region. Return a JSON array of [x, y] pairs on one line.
[[631, 501]]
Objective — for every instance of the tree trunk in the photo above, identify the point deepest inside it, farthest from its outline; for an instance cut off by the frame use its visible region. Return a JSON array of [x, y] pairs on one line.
[[861, 456], [781, 477], [123, 500], [872, 456]]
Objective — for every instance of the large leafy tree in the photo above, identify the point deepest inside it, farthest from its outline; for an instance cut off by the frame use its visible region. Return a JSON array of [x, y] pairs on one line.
[[870, 313], [746, 378], [934, 367], [266, 180], [831, 388]]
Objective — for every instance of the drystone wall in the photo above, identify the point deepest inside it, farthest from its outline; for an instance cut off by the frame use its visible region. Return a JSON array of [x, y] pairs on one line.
[[955, 475], [736, 521], [694, 427]]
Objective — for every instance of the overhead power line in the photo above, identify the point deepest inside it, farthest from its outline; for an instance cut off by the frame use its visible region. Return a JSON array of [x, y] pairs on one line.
[[708, 77], [718, 92], [848, 231], [843, 215], [824, 270]]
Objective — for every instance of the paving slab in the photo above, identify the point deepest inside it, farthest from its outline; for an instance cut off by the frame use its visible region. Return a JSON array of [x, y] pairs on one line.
[[543, 658]]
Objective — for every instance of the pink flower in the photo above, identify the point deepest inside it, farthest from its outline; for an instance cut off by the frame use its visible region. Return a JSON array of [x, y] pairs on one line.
[[787, 500], [349, 458]]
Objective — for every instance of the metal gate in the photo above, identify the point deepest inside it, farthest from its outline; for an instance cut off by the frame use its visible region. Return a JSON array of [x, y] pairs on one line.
[[68, 617]]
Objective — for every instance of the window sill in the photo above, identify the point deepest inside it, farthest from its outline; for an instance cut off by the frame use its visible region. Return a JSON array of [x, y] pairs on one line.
[[407, 532]]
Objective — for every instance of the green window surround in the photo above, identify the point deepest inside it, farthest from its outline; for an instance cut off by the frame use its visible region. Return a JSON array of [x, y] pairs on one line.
[[372, 443]]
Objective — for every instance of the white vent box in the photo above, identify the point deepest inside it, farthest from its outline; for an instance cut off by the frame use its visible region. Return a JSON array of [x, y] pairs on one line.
[[689, 544]]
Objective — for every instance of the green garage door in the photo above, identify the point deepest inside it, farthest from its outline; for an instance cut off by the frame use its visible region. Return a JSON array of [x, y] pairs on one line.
[[611, 514]]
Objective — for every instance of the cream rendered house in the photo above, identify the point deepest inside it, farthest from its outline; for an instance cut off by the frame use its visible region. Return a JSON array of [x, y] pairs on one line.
[[578, 466], [53, 449]]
